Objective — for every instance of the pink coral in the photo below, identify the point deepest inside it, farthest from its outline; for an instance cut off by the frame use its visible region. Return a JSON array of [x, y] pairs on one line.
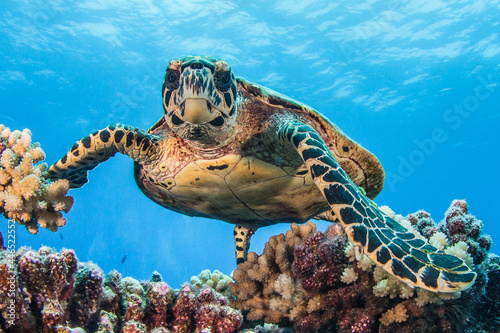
[[56, 293], [458, 226], [184, 310], [159, 299], [320, 261], [207, 310]]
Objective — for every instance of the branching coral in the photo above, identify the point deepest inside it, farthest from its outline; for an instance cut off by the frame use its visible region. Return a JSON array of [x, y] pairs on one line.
[[26, 196], [331, 290], [260, 287], [322, 263]]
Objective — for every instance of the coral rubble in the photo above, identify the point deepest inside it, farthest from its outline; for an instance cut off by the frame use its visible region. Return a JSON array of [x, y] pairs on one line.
[[26, 196], [304, 281]]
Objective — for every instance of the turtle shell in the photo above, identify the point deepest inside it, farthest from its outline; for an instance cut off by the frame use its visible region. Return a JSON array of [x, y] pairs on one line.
[[362, 166]]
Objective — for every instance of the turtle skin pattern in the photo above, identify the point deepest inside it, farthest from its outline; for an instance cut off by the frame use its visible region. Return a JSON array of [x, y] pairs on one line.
[[382, 239], [100, 146]]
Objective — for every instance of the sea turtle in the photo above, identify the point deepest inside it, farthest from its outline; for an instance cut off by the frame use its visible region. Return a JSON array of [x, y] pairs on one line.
[[236, 151]]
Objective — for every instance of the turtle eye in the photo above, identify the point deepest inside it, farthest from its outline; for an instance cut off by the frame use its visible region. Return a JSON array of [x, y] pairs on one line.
[[172, 79], [176, 120], [223, 80], [218, 121]]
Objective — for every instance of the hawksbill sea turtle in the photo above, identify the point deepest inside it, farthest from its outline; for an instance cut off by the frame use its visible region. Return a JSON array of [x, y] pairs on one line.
[[235, 151]]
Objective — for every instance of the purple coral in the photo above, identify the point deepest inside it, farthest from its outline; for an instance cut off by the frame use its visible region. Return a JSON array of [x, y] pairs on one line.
[[159, 299], [184, 310], [55, 292], [320, 261], [207, 310], [319, 264], [458, 226], [423, 223], [215, 314], [306, 290]]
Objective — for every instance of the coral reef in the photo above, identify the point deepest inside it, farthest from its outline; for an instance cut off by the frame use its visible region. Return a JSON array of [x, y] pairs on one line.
[[328, 289], [26, 196], [53, 292], [266, 328], [304, 281], [487, 313]]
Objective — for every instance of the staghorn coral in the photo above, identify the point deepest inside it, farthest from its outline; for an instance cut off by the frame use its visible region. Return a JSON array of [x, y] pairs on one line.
[[332, 291], [26, 196]]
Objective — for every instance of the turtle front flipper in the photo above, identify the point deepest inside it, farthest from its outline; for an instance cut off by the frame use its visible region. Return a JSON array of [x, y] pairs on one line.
[[98, 147], [389, 244]]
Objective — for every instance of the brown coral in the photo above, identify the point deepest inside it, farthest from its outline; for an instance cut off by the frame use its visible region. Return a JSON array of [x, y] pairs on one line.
[[26, 196], [263, 284], [42, 285]]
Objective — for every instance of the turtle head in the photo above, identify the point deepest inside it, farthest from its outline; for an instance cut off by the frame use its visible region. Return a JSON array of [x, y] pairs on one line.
[[199, 99]]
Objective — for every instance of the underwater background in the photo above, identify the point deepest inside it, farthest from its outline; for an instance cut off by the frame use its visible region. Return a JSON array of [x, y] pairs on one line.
[[416, 82]]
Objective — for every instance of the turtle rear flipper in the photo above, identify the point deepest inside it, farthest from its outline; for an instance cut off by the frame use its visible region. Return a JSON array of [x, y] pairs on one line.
[[389, 244], [98, 147]]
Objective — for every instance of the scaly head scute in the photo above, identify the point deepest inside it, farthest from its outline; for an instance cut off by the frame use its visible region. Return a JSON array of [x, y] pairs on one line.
[[199, 99]]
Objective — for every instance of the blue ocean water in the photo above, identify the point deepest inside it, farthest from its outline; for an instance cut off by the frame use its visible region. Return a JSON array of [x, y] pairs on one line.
[[416, 82]]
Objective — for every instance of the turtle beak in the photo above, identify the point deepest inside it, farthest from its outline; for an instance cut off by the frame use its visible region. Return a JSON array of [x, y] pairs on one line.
[[196, 111]]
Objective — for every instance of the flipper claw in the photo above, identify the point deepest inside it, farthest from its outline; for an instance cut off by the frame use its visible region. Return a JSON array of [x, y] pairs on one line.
[[358, 251]]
